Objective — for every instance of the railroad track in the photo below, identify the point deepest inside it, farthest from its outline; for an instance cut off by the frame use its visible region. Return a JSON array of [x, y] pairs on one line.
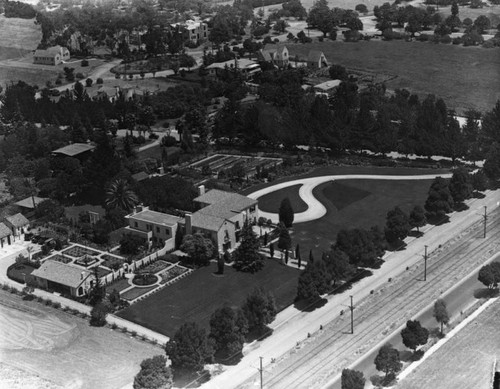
[[384, 311]]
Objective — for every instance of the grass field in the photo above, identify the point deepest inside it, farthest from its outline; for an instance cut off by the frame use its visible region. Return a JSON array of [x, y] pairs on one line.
[[465, 361], [271, 202], [196, 297], [63, 349], [465, 77], [18, 33], [349, 203]]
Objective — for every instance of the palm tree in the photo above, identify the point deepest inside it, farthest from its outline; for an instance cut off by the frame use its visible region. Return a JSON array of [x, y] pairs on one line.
[[119, 195]]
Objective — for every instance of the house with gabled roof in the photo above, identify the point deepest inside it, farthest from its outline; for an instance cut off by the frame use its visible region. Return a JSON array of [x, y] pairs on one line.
[[316, 60], [75, 150], [51, 56], [278, 56], [17, 223], [64, 278], [221, 216], [5, 235]]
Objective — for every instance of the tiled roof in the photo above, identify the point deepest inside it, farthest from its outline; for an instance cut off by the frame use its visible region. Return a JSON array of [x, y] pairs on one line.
[[62, 273], [17, 220], [30, 202], [206, 222], [45, 53], [74, 149], [156, 217], [140, 176], [327, 85], [232, 201], [4, 231], [219, 210]]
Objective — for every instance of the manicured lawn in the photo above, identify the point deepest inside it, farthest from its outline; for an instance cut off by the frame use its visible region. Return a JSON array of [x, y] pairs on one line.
[[417, 66], [18, 272], [118, 285], [372, 200], [197, 296], [272, 201], [136, 292]]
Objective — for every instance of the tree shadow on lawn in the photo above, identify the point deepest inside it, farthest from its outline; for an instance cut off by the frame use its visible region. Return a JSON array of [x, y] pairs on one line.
[[193, 380], [460, 207], [308, 305], [258, 334], [478, 195], [362, 273], [415, 234], [227, 360], [485, 293], [438, 221]]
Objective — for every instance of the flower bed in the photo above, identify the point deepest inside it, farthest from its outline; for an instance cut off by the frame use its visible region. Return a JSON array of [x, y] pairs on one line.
[[79, 251], [59, 258], [112, 262], [86, 261], [145, 279], [154, 267], [170, 274], [133, 293]]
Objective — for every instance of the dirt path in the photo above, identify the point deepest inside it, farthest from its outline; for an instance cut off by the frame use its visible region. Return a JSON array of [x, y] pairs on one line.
[[316, 209]]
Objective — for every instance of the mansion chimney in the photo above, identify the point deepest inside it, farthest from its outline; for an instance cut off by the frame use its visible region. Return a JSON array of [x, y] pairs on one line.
[[201, 190], [189, 228]]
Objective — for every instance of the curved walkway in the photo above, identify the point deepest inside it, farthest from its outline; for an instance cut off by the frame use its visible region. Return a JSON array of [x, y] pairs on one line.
[[316, 209]]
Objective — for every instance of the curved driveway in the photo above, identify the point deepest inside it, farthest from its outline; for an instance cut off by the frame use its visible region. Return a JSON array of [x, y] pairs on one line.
[[316, 209]]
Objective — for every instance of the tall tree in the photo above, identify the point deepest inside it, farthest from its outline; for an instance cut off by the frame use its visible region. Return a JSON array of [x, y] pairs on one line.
[[489, 275], [199, 248], [439, 201], [417, 217], [441, 313], [397, 226], [321, 17], [286, 212], [388, 360], [414, 334], [338, 266], [247, 257], [228, 329], [120, 195], [189, 349], [154, 374], [260, 309], [352, 379], [461, 186], [313, 281], [284, 240]]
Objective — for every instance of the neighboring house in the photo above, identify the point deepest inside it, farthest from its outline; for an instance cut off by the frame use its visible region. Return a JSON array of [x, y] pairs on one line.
[[247, 68], [153, 226], [327, 88], [316, 60], [278, 56], [63, 278], [27, 206], [51, 56], [191, 30], [75, 150], [141, 176], [221, 216], [105, 92], [17, 223], [5, 235]]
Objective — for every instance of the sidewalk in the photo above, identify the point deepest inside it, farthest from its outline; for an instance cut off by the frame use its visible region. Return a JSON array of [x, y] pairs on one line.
[[292, 326]]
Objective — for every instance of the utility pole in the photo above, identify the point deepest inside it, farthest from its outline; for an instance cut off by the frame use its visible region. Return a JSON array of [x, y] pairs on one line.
[[260, 371], [352, 316], [425, 263], [485, 216]]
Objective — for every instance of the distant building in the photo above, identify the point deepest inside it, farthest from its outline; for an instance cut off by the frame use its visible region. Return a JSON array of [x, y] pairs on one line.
[[67, 279], [51, 56], [27, 206], [5, 235], [247, 68], [191, 30], [278, 56], [75, 150], [327, 87], [316, 60]]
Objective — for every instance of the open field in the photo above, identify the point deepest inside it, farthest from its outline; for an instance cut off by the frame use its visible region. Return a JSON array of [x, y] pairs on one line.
[[465, 361], [196, 297], [63, 349], [272, 201], [422, 68], [19, 33]]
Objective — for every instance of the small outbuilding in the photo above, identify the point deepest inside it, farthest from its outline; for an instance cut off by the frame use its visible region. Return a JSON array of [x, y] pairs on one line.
[[316, 60], [18, 224]]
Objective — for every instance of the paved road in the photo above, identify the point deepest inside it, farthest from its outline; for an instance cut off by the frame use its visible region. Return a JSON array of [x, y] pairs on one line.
[[316, 209], [458, 300]]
